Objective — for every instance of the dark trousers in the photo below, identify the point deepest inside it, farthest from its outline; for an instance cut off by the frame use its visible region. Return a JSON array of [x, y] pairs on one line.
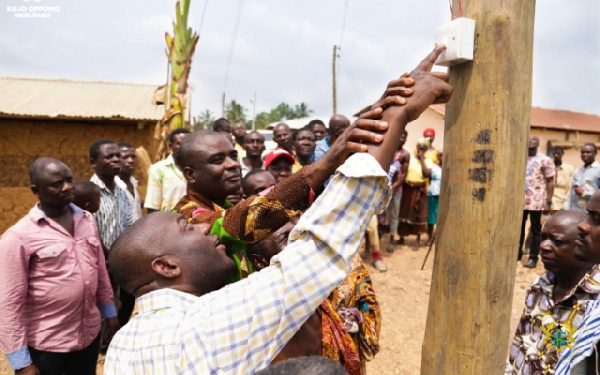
[[81, 362], [535, 218]]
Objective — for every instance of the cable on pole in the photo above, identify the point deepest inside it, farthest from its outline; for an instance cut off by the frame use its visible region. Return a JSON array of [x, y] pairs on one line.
[[343, 23], [233, 41], [202, 17]]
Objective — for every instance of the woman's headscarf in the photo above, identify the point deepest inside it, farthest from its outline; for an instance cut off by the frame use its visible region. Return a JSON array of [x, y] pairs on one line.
[[421, 141]]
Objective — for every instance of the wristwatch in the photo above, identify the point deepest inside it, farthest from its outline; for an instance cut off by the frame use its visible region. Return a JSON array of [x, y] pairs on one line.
[[549, 201]]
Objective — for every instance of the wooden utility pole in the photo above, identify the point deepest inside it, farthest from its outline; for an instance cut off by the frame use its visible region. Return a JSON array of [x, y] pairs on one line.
[[482, 197], [334, 84]]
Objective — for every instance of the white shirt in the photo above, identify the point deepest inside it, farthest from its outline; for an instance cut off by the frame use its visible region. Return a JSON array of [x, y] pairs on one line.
[[134, 200]]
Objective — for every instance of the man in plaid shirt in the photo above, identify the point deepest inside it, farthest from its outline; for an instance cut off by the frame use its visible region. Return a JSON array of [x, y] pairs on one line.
[[188, 323]]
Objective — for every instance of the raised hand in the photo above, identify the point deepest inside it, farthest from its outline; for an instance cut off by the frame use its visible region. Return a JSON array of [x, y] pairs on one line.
[[356, 137], [429, 88], [395, 93]]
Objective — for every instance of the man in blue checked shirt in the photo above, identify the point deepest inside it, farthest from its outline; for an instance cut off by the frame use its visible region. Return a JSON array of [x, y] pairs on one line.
[[188, 323]]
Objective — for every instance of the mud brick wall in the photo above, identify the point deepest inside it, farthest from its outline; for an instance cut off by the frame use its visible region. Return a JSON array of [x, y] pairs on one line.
[[22, 141]]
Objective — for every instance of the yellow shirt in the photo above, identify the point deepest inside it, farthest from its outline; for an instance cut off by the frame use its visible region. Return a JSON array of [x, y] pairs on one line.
[[240, 150], [562, 186], [432, 155], [296, 167], [414, 175]]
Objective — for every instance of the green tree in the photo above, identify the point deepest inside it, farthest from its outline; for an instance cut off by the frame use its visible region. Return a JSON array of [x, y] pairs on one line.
[[263, 119], [235, 112], [205, 119], [301, 110], [282, 112]]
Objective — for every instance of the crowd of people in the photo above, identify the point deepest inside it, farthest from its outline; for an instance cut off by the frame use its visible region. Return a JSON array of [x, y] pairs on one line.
[[551, 186], [242, 260], [248, 263], [556, 333]]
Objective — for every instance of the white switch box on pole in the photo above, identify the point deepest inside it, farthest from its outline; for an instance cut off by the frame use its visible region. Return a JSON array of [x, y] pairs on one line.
[[458, 36]]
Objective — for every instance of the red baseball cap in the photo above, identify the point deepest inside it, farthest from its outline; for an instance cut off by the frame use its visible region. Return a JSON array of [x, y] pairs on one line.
[[276, 154], [428, 131]]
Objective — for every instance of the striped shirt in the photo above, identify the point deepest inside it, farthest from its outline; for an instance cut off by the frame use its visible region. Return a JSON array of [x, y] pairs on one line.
[[166, 185], [241, 327], [321, 148], [134, 200], [573, 361], [115, 213], [546, 327]]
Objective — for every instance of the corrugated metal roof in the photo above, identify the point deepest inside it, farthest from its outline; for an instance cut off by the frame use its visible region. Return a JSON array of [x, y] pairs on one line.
[[30, 97], [564, 120], [554, 119]]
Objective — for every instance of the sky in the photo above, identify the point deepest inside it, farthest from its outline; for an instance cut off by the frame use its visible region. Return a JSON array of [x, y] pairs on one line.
[[282, 50]]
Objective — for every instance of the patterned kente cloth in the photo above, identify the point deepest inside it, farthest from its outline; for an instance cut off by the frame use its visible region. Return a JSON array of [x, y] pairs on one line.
[[251, 220], [337, 343], [355, 293], [546, 329]]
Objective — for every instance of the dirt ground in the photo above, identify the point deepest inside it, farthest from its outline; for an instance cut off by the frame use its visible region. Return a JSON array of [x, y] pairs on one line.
[[403, 292]]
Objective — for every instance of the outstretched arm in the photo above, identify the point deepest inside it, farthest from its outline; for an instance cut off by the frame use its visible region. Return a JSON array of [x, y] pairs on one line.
[[429, 88], [267, 308]]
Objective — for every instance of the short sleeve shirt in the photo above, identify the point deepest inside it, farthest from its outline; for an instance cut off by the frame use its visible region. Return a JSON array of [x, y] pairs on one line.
[[539, 168], [166, 185], [588, 178], [435, 185]]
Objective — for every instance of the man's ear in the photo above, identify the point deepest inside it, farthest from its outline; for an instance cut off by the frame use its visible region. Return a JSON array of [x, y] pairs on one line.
[[93, 162], [188, 174], [167, 266], [35, 190]]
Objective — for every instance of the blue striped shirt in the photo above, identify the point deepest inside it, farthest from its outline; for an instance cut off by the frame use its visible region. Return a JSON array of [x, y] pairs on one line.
[[573, 359]]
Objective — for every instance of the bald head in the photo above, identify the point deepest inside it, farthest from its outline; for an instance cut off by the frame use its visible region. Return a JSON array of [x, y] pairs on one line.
[[338, 121], [282, 135], [256, 181], [281, 125], [39, 166], [313, 365], [222, 125], [337, 125], [200, 140], [179, 256], [569, 217], [560, 251], [132, 253]]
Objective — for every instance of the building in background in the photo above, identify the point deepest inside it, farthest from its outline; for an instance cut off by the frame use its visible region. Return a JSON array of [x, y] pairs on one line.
[[553, 127], [61, 118]]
